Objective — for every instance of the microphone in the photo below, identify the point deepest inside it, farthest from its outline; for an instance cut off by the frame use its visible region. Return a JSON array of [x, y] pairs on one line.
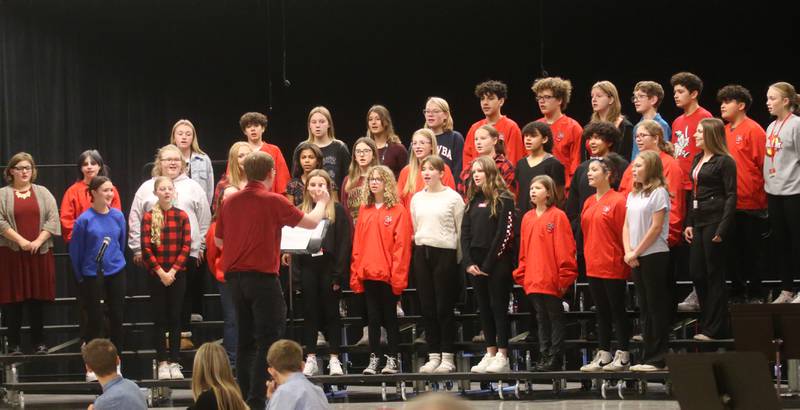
[[103, 248]]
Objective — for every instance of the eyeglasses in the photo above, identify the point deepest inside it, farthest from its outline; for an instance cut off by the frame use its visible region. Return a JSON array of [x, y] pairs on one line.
[[434, 112], [363, 151], [370, 180], [541, 98], [643, 135], [170, 160], [420, 143], [23, 169], [637, 97]]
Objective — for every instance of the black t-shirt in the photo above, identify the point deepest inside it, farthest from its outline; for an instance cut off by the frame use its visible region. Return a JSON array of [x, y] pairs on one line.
[[524, 174], [335, 160], [206, 401]]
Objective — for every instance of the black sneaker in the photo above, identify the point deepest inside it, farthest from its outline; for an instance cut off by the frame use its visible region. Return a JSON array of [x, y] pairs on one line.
[[15, 351], [41, 349], [374, 362]]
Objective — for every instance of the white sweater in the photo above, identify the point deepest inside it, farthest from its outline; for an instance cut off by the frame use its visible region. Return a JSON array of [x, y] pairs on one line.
[[190, 198], [437, 218]]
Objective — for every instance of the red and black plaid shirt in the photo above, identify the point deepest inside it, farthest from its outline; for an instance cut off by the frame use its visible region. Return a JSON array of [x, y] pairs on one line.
[[504, 167], [176, 241]]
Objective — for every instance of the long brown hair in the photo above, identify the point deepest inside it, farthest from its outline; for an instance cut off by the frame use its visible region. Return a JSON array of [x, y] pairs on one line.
[[354, 172], [308, 202], [714, 136], [212, 371], [653, 171], [386, 121], [494, 187], [615, 110]]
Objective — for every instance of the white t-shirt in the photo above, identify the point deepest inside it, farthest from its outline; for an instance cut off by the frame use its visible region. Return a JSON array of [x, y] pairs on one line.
[[640, 216]]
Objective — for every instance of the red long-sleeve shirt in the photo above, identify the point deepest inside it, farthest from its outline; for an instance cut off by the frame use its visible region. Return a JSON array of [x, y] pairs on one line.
[[566, 144], [747, 144], [547, 262], [76, 200], [509, 133], [601, 223], [381, 247]]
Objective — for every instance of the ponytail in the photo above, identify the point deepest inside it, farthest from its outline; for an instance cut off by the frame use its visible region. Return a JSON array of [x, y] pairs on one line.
[[788, 91]]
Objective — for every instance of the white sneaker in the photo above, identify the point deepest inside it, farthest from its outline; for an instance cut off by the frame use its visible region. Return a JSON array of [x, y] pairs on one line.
[[175, 371], [374, 362], [784, 297], [483, 364], [392, 366], [645, 368], [364, 338], [638, 338], [601, 359], [400, 312], [163, 371], [565, 305], [621, 362], [796, 299], [500, 364], [196, 317], [447, 365], [434, 360], [311, 368], [690, 304], [321, 339], [335, 367], [91, 377], [119, 370]]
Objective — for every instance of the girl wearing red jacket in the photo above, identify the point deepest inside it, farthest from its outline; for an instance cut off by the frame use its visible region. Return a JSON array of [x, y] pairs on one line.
[[379, 267], [602, 219], [547, 268], [487, 236]]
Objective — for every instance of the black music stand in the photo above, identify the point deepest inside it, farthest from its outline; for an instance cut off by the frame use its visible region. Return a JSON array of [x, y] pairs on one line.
[[300, 241], [772, 329], [722, 381]]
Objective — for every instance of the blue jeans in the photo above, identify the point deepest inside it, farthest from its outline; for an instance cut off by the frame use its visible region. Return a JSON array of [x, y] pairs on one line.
[[229, 330]]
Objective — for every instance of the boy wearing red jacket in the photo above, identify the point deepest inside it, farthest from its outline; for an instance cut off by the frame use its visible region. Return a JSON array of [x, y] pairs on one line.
[[746, 142], [379, 267], [492, 95], [547, 268]]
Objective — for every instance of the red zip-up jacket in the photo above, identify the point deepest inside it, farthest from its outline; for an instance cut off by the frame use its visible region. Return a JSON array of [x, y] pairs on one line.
[[547, 262], [747, 144], [381, 247], [677, 201], [601, 223]]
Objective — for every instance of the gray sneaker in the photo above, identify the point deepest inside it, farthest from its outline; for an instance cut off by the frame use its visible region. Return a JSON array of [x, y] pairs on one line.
[[374, 362]]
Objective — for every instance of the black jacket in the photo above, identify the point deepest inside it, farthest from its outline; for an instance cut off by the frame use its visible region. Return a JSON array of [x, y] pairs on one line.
[[337, 244], [480, 230], [715, 193]]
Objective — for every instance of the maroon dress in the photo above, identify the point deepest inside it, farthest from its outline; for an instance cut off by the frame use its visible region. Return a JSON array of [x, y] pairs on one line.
[[24, 276]]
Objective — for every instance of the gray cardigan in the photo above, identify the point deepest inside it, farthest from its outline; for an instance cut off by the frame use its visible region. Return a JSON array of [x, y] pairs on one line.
[[48, 215]]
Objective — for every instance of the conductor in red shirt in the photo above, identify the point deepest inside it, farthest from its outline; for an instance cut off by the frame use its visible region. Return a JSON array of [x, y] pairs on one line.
[[249, 229]]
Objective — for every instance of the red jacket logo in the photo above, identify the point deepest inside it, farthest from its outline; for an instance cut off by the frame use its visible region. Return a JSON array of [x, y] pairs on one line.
[[739, 140], [606, 209], [551, 227], [387, 220], [560, 136]]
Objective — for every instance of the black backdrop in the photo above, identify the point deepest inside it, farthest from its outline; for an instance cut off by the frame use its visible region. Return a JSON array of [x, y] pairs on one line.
[[116, 74]]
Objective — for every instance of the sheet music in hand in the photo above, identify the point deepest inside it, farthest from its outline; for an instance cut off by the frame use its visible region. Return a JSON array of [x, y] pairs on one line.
[[303, 241]]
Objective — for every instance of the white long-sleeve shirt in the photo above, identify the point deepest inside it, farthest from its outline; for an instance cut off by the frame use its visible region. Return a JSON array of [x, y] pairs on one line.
[[190, 197]]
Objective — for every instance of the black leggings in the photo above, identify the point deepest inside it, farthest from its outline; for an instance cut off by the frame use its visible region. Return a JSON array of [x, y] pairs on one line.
[[784, 218], [609, 297], [320, 302], [549, 318], [437, 273], [746, 253], [381, 311], [12, 316], [654, 284], [112, 292], [492, 293], [708, 267], [167, 304], [193, 297]]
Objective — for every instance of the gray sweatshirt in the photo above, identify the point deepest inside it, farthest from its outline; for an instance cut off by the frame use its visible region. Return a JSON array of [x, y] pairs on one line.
[[782, 162]]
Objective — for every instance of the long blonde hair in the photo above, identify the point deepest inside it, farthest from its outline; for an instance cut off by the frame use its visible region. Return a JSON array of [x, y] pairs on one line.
[[614, 111], [415, 164], [389, 187], [157, 172], [325, 113], [494, 187], [354, 172], [386, 121], [157, 220], [235, 174], [654, 174], [308, 202], [212, 371], [195, 144]]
